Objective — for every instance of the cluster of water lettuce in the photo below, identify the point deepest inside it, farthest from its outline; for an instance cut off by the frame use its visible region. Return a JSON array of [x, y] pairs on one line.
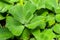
[[29, 20]]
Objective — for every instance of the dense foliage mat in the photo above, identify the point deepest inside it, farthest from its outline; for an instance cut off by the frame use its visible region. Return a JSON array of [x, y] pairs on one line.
[[29, 19]]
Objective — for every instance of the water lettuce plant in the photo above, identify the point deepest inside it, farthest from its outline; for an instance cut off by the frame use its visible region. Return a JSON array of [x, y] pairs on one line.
[[29, 20]]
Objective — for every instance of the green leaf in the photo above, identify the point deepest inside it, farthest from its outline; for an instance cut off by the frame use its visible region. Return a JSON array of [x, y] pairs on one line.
[[42, 24], [56, 28], [33, 25], [20, 12], [58, 38], [38, 18], [38, 3], [1, 17], [25, 35], [32, 39], [43, 35], [2, 39], [45, 4], [47, 34], [5, 33], [14, 26], [57, 9], [50, 19], [57, 17], [36, 34], [50, 4], [36, 21], [4, 7], [44, 13]]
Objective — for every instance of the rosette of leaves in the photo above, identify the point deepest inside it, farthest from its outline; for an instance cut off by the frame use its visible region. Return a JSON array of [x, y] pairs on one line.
[[24, 22]]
